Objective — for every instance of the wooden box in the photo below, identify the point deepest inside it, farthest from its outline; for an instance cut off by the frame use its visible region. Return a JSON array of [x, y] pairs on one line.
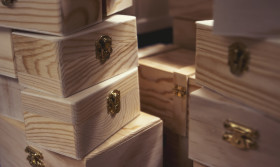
[[196, 164], [225, 133], [7, 62], [138, 144], [57, 17], [191, 9], [246, 70], [76, 125], [161, 74], [10, 101], [67, 65]]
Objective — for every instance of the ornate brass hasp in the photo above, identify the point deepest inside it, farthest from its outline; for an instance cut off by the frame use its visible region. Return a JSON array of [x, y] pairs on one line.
[[238, 58], [240, 136], [114, 102], [35, 158], [8, 3], [180, 91], [103, 48]]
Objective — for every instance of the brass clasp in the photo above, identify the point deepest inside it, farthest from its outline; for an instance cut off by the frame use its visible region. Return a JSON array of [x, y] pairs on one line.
[[35, 158], [8, 3], [103, 48], [180, 91], [114, 102], [240, 136], [238, 58]]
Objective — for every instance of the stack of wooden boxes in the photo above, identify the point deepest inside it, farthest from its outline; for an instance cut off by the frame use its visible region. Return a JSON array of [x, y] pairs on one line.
[[69, 87], [166, 76], [235, 117]]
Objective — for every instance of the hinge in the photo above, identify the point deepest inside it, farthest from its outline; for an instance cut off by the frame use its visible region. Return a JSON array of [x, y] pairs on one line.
[[180, 91]]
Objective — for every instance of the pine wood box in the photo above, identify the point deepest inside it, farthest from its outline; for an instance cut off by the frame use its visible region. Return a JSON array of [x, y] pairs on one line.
[[76, 125], [225, 133], [57, 17], [161, 69], [138, 144], [246, 70], [10, 100], [67, 65]]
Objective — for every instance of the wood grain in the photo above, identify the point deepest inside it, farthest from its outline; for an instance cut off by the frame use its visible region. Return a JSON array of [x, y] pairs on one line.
[[7, 64], [67, 65], [140, 143], [196, 164], [114, 6], [191, 9], [76, 125], [158, 75], [258, 87], [58, 17], [184, 33], [10, 100], [208, 112]]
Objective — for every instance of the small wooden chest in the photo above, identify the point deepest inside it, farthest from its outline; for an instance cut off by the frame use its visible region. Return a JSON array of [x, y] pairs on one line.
[[246, 70], [138, 144], [7, 63], [225, 133], [163, 77], [10, 101], [67, 65], [76, 125], [58, 17]]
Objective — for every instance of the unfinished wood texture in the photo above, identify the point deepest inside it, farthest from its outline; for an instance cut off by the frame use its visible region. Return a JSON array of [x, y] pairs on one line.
[[114, 6], [58, 17], [175, 150], [10, 102], [158, 75], [138, 144], [184, 33], [258, 87], [196, 164], [208, 112], [156, 49], [7, 62], [67, 65], [76, 125], [191, 9]]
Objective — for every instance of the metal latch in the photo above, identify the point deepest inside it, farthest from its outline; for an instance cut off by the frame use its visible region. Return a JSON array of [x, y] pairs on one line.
[[114, 102], [35, 158], [103, 48], [180, 91]]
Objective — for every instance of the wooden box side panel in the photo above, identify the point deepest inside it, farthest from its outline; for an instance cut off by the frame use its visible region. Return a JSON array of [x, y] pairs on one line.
[[258, 87], [12, 143], [114, 6], [44, 15], [208, 112], [10, 103], [81, 69], [143, 149], [37, 63], [7, 61], [196, 164], [184, 33], [191, 9]]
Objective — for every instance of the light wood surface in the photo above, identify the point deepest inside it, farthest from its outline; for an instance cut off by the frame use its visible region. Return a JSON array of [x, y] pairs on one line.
[[184, 33], [175, 150], [258, 87], [138, 144], [114, 6], [158, 75], [76, 125], [196, 164], [58, 17], [67, 65], [208, 112], [7, 61], [10, 100], [191, 9]]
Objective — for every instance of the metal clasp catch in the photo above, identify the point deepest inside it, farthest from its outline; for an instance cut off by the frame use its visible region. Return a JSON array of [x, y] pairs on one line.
[[103, 48], [35, 158], [114, 102]]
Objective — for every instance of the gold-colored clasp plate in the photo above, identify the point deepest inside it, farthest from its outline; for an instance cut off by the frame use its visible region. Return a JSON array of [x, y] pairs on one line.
[[8, 3], [238, 58], [35, 158], [114, 102], [180, 91], [103, 48], [240, 136]]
